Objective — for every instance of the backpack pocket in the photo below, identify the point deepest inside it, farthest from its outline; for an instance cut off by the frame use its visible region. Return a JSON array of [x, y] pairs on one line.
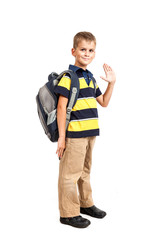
[[47, 111]]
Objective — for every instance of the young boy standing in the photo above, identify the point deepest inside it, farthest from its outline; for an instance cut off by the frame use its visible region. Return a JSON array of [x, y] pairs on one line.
[[76, 144]]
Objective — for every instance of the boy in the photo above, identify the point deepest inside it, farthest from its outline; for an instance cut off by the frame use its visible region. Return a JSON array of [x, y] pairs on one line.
[[75, 145]]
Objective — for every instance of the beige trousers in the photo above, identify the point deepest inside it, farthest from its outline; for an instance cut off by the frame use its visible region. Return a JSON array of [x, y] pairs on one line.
[[74, 170]]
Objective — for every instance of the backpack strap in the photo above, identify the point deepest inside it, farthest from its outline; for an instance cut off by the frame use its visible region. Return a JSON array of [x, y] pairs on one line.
[[94, 83], [74, 92]]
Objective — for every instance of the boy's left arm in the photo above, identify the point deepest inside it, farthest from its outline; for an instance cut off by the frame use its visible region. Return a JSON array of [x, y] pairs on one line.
[[103, 99]]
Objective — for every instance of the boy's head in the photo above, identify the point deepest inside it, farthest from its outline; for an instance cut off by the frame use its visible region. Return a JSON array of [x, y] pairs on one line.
[[83, 50], [87, 36]]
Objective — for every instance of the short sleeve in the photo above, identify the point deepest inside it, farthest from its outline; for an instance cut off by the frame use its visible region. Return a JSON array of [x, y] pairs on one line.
[[98, 91], [63, 87]]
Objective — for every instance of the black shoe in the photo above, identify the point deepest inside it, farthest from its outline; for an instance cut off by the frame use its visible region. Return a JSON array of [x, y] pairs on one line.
[[93, 212], [78, 222]]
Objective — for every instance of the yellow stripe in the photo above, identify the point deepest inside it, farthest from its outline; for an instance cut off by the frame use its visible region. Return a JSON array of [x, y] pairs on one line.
[[65, 82], [85, 104], [91, 84], [83, 125], [82, 83]]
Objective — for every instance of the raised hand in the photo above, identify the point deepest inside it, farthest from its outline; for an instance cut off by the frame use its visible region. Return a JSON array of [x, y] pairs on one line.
[[110, 75]]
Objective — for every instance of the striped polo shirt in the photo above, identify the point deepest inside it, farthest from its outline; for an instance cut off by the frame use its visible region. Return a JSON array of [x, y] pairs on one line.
[[84, 115]]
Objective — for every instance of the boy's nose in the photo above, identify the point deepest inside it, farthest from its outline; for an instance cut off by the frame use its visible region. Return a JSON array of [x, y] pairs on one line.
[[87, 53]]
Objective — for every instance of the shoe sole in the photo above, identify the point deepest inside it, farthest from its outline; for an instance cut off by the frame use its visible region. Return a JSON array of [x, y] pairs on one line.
[[75, 225], [83, 212]]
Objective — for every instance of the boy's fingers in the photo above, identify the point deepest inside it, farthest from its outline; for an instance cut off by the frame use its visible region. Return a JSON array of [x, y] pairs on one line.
[[61, 155], [58, 152], [107, 67], [61, 152]]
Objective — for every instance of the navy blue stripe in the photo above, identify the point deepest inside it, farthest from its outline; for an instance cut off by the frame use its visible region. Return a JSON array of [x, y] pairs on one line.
[[87, 92], [62, 91], [84, 114], [88, 133], [98, 92]]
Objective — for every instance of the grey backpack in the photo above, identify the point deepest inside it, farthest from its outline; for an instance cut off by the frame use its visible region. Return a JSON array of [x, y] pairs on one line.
[[47, 101]]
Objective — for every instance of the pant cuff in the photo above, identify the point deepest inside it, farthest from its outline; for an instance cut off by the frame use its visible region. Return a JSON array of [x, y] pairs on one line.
[[86, 204], [65, 214]]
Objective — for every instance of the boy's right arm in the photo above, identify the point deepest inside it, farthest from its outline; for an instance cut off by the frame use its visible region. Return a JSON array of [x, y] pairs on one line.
[[61, 121]]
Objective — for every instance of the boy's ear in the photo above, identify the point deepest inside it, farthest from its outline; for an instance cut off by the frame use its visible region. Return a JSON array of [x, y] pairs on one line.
[[73, 51]]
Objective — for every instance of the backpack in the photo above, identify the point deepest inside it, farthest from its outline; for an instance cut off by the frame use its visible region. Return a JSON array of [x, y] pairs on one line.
[[47, 101]]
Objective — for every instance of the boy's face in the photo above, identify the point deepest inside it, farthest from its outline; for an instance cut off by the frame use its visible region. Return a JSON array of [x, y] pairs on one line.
[[84, 53]]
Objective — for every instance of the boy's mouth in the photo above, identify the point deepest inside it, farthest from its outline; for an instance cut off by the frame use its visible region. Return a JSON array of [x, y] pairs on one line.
[[86, 59]]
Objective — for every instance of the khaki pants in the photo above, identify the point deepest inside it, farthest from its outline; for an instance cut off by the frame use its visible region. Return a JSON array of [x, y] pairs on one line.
[[74, 169]]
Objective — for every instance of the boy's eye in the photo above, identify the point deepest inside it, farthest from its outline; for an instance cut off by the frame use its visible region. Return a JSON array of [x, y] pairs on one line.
[[83, 49]]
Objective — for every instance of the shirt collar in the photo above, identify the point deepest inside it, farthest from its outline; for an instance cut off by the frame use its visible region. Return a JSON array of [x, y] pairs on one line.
[[75, 69]]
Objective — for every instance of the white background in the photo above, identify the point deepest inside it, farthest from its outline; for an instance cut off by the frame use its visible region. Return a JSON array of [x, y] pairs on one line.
[[36, 39]]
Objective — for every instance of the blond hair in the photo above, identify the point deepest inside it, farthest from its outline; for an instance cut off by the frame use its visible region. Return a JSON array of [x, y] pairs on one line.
[[83, 36]]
